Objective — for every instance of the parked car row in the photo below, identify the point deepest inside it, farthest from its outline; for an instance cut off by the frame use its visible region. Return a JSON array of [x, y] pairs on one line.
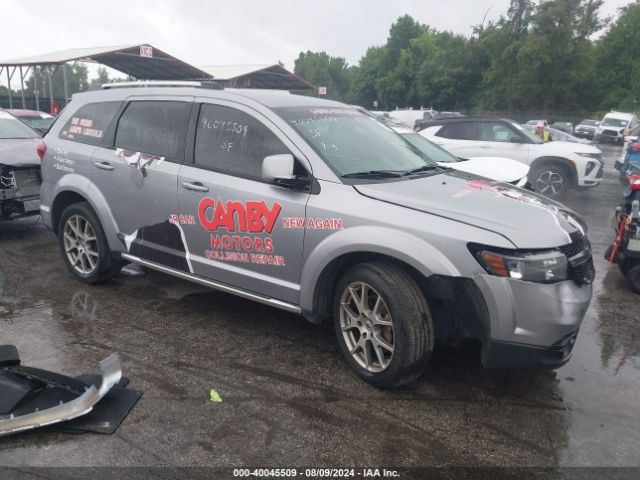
[[613, 127], [555, 166], [316, 207]]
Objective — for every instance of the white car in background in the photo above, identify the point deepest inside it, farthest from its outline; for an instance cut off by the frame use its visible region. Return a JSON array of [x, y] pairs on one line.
[[409, 117], [494, 168], [555, 166], [614, 126]]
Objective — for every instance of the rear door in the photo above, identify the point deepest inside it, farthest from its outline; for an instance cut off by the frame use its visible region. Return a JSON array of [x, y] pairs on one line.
[[458, 137], [499, 139], [241, 230], [138, 172]]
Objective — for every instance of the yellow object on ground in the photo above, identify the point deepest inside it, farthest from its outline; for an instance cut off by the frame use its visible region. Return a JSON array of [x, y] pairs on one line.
[[214, 396]]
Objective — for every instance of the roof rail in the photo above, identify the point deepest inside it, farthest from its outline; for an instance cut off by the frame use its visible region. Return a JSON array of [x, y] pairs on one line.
[[164, 83]]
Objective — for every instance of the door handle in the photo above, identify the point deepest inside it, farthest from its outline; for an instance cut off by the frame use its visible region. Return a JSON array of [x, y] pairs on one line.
[[485, 146], [103, 165], [195, 186]]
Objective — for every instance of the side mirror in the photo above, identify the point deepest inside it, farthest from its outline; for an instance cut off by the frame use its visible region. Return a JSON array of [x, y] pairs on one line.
[[517, 140], [278, 169]]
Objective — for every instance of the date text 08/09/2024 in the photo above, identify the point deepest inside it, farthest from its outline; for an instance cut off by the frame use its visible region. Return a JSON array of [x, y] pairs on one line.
[[316, 473]]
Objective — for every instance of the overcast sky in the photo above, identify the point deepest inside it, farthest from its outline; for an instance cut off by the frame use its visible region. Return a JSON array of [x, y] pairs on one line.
[[230, 32]]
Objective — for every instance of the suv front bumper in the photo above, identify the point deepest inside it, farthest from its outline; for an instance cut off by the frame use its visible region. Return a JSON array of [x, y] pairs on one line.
[[594, 177], [531, 325]]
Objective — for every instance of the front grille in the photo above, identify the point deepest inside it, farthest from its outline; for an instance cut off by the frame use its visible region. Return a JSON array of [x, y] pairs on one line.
[[578, 253], [578, 244], [610, 133]]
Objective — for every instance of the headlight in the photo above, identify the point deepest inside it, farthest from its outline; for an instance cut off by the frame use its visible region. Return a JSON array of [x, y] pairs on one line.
[[545, 267]]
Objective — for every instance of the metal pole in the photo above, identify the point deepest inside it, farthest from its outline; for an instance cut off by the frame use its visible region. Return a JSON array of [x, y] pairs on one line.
[[35, 85], [50, 89], [22, 87], [9, 87], [64, 80]]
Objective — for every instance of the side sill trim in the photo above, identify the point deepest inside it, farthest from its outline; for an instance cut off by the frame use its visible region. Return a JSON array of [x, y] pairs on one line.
[[289, 307]]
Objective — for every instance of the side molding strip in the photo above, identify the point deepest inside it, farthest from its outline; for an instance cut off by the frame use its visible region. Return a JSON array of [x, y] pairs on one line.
[[289, 307]]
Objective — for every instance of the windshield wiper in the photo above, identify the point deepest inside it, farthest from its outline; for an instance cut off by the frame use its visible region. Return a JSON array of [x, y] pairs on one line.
[[375, 173], [424, 168]]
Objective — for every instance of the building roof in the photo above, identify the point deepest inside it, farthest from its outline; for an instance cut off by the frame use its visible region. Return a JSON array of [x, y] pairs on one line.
[[257, 76], [139, 61]]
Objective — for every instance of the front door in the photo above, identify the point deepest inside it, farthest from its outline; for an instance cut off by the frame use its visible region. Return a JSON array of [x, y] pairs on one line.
[[138, 177], [497, 139], [459, 138], [239, 229]]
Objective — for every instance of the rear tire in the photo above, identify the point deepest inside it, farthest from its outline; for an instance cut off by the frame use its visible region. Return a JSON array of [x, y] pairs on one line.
[[84, 246], [633, 277], [383, 324], [551, 180]]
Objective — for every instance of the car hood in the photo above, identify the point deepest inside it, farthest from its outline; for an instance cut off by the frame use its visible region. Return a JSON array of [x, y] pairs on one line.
[[528, 220], [494, 168], [19, 152], [559, 147]]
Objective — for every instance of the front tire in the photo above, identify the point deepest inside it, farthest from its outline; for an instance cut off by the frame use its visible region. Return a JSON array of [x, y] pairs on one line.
[[383, 324], [633, 277], [84, 245], [551, 180]]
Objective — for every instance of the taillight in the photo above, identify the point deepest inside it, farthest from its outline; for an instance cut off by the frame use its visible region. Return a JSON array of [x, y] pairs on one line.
[[635, 147], [41, 149], [634, 182]]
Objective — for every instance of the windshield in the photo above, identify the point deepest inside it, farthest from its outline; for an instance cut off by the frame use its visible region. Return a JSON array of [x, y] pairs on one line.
[[430, 149], [11, 127], [353, 142], [42, 123], [614, 122], [532, 137]]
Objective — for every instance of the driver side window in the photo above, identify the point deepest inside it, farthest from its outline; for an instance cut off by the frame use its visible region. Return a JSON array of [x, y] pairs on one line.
[[497, 132], [233, 142]]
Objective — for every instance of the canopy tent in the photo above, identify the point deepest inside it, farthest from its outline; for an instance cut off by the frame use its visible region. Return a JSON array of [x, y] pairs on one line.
[[257, 76], [143, 62]]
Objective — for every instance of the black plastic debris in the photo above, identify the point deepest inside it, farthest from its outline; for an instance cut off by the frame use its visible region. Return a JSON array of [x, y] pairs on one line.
[[33, 398]]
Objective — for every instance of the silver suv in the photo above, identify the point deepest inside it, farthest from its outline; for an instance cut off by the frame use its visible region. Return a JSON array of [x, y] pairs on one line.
[[313, 207]]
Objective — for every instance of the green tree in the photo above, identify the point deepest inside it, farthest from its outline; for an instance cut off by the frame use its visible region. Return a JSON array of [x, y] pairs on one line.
[[324, 71], [547, 63], [103, 77], [618, 62], [363, 89]]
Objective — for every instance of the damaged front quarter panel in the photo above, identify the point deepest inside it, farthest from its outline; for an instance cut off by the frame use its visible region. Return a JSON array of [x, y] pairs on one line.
[[111, 374]]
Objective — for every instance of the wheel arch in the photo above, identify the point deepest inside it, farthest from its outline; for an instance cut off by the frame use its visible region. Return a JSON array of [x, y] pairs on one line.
[[341, 250], [458, 308], [68, 192], [565, 163]]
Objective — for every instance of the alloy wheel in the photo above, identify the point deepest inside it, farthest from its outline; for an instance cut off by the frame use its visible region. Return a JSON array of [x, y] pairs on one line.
[[367, 327], [81, 244], [549, 182]]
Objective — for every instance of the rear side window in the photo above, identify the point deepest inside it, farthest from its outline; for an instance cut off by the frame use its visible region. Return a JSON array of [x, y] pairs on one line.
[[231, 141], [458, 131], [154, 127], [89, 124]]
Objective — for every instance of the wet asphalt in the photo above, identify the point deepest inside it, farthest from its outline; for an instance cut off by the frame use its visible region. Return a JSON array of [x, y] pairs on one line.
[[289, 399]]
